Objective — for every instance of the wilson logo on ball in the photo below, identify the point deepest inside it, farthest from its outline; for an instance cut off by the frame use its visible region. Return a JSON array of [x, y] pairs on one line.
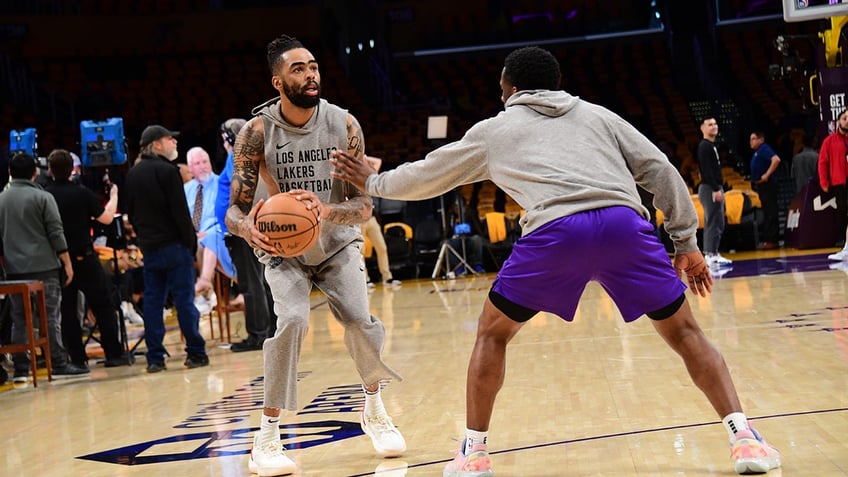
[[291, 229], [275, 227]]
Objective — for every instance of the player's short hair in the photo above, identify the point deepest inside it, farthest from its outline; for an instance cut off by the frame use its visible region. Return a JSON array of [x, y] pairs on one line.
[[277, 47], [61, 163], [532, 68]]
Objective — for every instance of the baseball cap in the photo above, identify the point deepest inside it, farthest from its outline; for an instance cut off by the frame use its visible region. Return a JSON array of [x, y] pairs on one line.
[[77, 162], [154, 133]]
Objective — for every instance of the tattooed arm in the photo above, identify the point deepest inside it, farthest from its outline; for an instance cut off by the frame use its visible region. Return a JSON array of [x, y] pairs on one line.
[[248, 155], [358, 207]]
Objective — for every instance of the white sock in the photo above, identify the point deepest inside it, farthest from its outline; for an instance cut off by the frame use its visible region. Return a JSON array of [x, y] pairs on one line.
[[733, 423], [473, 437], [374, 403], [269, 430]]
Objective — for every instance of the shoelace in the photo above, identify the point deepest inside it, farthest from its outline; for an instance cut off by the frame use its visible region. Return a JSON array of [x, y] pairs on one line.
[[272, 449], [380, 423]]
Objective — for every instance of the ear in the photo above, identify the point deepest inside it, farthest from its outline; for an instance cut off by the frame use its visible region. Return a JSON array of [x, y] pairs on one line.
[[277, 82]]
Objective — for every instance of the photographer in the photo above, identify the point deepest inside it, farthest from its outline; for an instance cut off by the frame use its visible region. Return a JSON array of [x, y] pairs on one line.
[[77, 206]]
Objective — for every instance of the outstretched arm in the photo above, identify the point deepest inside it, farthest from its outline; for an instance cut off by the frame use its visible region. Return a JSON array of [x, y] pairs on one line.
[[351, 169]]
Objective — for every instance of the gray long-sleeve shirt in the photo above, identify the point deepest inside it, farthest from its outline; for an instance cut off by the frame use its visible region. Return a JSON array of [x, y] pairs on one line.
[[555, 155], [30, 229]]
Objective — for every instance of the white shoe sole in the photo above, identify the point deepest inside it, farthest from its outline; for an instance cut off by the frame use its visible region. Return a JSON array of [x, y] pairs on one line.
[[755, 466], [381, 451], [266, 472]]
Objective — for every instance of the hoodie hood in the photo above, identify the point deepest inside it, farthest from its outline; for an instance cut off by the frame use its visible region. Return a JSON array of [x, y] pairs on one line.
[[543, 101]]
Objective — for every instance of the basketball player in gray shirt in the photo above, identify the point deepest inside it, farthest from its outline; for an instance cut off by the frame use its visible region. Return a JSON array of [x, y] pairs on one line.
[[287, 144], [573, 166]]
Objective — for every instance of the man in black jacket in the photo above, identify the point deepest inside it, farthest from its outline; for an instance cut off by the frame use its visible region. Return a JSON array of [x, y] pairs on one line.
[[77, 206], [711, 193], [158, 211]]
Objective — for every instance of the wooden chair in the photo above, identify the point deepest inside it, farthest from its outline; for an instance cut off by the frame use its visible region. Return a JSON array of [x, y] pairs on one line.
[[26, 288], [221, 285]]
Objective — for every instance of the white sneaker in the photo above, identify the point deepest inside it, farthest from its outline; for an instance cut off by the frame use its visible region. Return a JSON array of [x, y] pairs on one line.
[[203, 305], [716, 260], [130, 314], [385, 437], [270, 459], [392, 283], [840, 255]]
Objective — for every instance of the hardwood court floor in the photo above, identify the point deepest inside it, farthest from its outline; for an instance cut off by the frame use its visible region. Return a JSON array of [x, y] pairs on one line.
[[594, 397]]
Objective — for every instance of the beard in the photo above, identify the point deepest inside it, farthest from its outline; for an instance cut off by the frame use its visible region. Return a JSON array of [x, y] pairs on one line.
[[843, 130], [301, 100], [172, 155]]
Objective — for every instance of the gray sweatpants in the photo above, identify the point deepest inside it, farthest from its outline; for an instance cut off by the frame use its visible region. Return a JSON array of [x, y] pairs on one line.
[[341, 278]]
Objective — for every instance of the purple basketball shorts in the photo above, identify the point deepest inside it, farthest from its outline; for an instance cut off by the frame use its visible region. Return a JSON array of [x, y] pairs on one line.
[[549, 268]]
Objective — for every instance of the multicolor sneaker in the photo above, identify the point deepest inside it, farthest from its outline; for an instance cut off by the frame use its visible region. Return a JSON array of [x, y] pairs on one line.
[[752, 455], [385, 437], [269, 459], [475, 464]]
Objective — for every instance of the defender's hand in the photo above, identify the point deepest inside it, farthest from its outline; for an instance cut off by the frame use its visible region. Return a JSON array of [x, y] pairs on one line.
[[697, 272], [348, 168]]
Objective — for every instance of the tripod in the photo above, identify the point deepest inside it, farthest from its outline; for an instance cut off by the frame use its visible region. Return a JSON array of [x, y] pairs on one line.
[[114, 242], [443, 262]]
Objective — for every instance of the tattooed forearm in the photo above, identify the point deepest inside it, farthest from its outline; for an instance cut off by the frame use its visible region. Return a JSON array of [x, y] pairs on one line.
[[247, 154], [351, 212]]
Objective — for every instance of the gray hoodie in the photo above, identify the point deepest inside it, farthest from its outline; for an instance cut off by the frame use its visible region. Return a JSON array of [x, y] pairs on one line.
[[555, 155], [299, 158]]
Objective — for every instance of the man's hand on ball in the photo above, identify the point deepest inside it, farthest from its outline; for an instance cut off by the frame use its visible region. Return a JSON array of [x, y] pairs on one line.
[[251, 234], [698, 275], [309, 199]]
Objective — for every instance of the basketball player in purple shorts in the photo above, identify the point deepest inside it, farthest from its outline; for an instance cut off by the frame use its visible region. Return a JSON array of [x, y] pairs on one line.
[[573, 167]]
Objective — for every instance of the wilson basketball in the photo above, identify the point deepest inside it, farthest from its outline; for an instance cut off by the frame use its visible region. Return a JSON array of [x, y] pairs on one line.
[[289, 226]]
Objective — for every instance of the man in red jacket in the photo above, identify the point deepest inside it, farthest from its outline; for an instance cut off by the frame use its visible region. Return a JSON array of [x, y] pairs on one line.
[[833, 171]]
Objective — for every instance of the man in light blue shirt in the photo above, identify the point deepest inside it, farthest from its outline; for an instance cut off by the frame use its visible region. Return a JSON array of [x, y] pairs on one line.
[[201, 193]]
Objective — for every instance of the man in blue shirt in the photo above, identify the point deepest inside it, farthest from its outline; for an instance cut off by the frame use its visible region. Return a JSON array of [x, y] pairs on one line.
[[259, 319], [201, 193], [763, 167]]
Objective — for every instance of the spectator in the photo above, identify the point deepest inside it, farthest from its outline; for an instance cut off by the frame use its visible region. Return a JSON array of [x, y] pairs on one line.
[[159, 215], [259, 320], [33, 247], [77, 206], [201, 194], [764, 164], [805, 163], [711, 193]]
